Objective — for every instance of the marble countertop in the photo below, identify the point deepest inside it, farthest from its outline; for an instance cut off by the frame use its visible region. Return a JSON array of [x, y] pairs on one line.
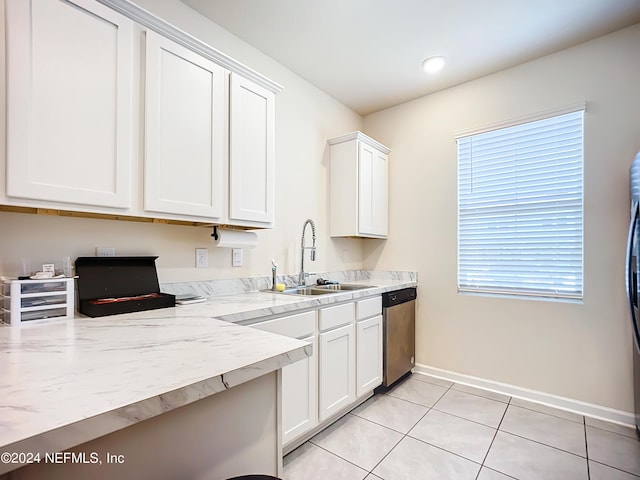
[[66, 382], [245, 307]]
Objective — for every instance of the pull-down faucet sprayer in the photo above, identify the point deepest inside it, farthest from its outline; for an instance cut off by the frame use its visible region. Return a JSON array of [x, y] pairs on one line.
[[301, 277]]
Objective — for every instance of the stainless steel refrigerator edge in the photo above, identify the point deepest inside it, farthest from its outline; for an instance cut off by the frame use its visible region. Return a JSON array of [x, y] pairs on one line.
[[631, 279]]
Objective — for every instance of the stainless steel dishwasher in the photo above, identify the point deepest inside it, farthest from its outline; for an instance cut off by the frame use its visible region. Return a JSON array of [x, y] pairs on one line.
[[399, 333]]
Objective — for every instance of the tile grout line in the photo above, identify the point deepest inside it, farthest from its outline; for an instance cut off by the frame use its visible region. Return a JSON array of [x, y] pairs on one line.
[[338, 456], [494, 438], [544, 444], [405, 435], [549, 414], [429, 408], [483, 396], [510, 403], [586, 446], [445, 450], [370, 472], [481, 464], [465, 418], [616, 468], [611, 431], [433, 407], [541, 442]]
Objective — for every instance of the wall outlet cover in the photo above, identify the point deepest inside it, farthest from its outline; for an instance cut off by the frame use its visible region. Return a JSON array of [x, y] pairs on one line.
[[202, 257], [105, 252]]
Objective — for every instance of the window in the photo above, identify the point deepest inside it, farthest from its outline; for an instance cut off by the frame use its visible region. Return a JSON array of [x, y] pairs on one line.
[[520, 209]]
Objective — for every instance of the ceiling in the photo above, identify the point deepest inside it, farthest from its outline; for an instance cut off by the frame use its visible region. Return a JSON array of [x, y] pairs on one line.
[[367, 53]]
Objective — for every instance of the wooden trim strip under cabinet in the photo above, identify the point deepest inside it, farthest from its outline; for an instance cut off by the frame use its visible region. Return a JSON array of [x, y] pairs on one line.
[[108, 216]]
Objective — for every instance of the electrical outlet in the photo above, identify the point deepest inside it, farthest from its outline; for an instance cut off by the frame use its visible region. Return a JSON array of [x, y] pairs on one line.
[[345, 256], [236, 257], [202, 258], [105, 252]]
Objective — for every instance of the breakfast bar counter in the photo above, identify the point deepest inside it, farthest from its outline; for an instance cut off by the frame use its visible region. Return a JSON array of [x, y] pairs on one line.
[[86, 385], [65, 383]]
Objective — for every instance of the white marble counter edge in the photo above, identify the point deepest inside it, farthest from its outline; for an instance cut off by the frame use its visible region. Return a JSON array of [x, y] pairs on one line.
[[87, 429]]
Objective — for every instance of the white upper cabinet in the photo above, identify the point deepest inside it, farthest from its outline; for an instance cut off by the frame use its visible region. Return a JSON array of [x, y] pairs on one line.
[[69, 103], [251, 153], [185, 131], [112, 110], [359, 187], [372, 191]]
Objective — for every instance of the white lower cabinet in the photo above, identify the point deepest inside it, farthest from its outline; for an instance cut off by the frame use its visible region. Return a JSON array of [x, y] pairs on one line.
[[337, 361], [337, 370], [345, 366], [369, 344], [299, 395], [369, 348], [299, 380]]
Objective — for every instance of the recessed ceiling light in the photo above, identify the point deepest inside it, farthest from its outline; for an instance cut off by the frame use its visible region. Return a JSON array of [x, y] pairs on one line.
[[433, 64]]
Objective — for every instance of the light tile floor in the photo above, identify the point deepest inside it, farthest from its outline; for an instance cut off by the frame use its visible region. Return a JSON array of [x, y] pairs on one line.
[[426, 428]]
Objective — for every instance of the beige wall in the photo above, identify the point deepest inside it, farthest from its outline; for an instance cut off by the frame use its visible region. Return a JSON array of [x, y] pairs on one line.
[[580, 351], [305, 118]]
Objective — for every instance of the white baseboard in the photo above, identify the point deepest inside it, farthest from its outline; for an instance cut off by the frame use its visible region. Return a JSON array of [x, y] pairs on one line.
[[576, 406]]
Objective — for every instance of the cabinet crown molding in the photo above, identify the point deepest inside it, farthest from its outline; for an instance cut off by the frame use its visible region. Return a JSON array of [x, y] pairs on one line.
[[148, 20], [363, 138]]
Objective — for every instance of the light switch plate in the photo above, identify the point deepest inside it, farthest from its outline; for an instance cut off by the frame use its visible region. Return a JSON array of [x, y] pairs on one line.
[[236, 257]]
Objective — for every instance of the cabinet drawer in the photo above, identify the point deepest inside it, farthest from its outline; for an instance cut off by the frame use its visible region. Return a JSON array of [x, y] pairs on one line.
[[42, 301], [294, 326], [337, 316], [15, 318], [368, 307]]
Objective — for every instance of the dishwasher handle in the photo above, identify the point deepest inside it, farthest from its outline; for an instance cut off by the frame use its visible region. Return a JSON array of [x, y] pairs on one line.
[[398, 297]]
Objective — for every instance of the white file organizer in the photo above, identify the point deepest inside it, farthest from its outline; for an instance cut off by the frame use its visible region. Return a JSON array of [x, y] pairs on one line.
[[27, 301]]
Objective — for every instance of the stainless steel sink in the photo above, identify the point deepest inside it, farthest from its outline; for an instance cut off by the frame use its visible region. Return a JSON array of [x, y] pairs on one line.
[[343, 286], [320, 289], [311, 290]]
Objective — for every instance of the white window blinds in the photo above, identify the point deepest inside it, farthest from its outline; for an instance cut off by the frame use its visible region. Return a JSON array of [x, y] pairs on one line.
[[520, 209]]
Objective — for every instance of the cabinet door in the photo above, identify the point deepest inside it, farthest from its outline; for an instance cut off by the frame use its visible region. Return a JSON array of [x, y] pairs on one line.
[[185, 131], [369, 351], [372, 191], [337, 370], [251, 153], [300, 395], [69, 102]]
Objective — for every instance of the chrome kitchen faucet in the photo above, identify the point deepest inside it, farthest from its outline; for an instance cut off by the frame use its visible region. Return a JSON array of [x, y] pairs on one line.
[[301, 277]]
